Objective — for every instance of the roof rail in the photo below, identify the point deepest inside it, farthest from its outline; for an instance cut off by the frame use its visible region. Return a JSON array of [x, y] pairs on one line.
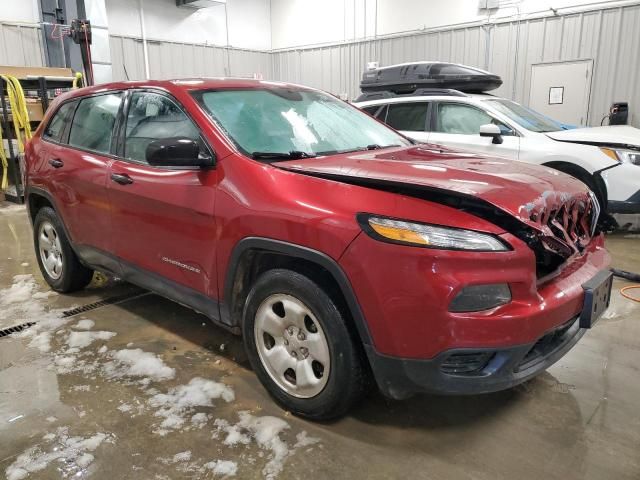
[[418, 92]]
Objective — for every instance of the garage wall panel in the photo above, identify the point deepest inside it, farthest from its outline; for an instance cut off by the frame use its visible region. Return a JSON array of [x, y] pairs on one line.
[[553, 32], [21, 46], [571, 36], [178, 60], [610, 37], [127, 60]]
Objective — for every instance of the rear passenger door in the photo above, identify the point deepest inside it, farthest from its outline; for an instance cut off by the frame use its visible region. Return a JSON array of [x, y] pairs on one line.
[[78, 152], [162, 217], [457, 125], [409, 118]]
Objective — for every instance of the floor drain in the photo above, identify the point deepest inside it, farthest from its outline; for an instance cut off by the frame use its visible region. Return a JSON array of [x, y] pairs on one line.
[[16, 329], [103, 303]]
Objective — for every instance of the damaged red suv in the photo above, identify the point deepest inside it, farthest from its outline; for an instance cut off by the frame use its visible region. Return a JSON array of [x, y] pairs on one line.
[[340, 250]]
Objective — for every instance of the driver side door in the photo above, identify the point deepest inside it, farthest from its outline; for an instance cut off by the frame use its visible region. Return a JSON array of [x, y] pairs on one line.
[[162, 217], [457, 125]]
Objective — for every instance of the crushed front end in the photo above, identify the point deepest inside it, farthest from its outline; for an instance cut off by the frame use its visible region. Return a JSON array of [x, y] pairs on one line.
[[424, 343]]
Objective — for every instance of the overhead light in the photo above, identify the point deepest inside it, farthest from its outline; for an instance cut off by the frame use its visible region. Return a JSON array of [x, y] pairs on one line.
[[197, 4]]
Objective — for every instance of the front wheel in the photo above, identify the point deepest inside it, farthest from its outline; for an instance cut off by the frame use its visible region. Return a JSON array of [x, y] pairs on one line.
[[300, 346]]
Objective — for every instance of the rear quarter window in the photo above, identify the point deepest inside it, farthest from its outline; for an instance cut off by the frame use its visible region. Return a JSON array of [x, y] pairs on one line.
[[410, 117], [56, 126]]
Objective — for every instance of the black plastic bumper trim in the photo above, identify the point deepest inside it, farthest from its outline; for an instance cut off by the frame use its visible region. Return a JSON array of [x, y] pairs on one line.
[[401, 378]]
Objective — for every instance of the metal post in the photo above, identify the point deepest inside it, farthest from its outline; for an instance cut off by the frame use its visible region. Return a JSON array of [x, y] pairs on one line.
[[145, 47], [44, 94]]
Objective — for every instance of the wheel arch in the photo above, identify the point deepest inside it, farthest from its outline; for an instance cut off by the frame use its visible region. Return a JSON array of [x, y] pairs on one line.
[[253, 256], [37, 198]]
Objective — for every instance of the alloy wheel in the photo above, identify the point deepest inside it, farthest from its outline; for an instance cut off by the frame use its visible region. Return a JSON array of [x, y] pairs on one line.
[[50, 250], [292, 346]]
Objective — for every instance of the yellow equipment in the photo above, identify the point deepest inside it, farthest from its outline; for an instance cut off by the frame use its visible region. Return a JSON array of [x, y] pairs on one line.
[[21, 123]]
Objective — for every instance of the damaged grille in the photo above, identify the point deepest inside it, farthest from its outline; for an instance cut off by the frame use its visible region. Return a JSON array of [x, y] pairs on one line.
[[567, 225]]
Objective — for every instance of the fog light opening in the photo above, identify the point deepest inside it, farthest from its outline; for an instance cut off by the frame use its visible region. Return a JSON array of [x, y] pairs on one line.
[[475, 298]]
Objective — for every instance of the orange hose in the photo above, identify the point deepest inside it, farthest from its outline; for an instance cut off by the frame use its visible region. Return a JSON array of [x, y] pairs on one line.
[[626, 295]]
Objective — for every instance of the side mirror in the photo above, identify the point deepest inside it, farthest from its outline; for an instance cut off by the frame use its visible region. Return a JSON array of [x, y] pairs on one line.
[[177, 152], [493, 131]]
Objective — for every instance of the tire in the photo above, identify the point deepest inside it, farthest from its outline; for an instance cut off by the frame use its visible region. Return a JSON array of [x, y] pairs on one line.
[[319, 383], [58, 262]]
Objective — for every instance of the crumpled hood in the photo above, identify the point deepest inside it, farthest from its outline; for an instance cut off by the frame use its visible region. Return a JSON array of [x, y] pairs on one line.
[[518, 188], [621, 135]]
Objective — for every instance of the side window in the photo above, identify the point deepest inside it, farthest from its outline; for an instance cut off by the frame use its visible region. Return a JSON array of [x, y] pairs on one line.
[[92, 125], [372, 110], [411, 117], [59, 121], [154, 117], [464, 119], [382, 113]]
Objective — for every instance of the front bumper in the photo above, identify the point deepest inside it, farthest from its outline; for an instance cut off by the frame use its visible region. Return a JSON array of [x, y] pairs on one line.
[[622, 183], [630, 205], [504, 368]]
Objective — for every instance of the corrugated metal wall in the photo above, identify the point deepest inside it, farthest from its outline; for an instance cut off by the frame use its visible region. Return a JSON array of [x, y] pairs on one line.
[[178, 60], [610, 37], [20, 45]]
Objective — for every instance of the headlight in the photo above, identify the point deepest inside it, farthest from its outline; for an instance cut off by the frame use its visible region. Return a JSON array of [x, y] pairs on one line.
[[622, 155], [429, 236]]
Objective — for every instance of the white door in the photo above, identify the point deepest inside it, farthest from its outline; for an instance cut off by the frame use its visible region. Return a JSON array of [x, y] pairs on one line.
[[457, 125], [561, 90]]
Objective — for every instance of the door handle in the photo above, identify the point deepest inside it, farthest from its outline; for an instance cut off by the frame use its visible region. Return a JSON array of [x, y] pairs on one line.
[[121, 178], [56, 163]]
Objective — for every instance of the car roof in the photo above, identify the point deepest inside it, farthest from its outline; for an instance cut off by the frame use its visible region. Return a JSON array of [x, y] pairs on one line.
[[424, 98], [188, 84]]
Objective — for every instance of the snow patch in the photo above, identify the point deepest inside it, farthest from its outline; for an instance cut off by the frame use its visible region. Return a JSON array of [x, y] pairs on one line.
[[304, 440], [222, 467], [138, 363], [72, 451], [20, 304], [84, 339], [199, 420], [266, 432], [174, 406], [183, 464], [182, 457], [20, 291], [84, 325]]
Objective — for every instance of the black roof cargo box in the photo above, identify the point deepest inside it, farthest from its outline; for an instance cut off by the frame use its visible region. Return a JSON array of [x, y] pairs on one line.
[[408, 77]]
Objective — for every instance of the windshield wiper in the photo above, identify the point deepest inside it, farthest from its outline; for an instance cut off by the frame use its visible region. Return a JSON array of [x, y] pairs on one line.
[[275, 156], [375, 146], [359, 149]]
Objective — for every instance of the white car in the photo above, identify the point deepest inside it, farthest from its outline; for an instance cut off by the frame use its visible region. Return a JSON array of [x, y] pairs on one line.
[[607, 158]]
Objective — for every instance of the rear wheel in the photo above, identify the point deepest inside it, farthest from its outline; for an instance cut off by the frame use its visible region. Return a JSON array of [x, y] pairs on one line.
[[300, 346], [58, 262]]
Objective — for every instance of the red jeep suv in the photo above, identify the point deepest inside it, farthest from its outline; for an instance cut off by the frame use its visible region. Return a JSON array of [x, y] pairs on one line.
[[339, 249]]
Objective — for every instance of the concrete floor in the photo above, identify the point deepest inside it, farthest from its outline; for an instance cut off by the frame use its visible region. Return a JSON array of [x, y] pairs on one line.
[[69, 412]]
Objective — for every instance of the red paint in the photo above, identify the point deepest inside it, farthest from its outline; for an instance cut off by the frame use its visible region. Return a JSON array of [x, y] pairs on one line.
[[198, 217]]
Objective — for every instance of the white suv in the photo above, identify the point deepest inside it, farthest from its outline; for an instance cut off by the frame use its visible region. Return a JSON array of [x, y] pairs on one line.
[[607, 159]]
